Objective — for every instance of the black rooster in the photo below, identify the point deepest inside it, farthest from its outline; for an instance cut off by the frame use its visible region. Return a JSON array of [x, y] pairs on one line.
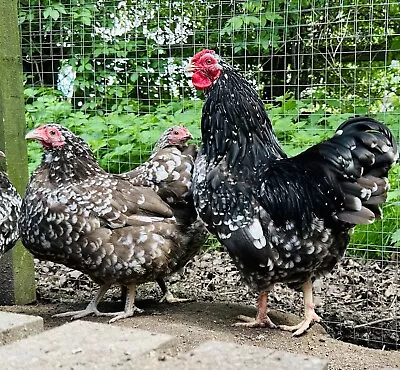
[[282, 220], [75, 213], [10, 202]]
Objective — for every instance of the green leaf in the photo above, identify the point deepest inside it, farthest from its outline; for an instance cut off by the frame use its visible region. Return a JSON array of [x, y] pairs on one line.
[[271, 16], [86, 20], [233, 24], [251, 19], [396, 237], [393, 195], [282, 124], [52, 13], [30, 92], [60, 8]]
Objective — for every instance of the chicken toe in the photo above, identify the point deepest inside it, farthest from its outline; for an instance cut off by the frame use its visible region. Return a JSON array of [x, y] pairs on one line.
[[130, 307], [310, 316], [262, 320], [167, 294], [91, 308]]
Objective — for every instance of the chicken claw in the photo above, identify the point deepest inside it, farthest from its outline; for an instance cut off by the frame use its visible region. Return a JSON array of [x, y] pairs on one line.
[[262, 320], [91, 308], [310, 316], [251, 322], [124, 314]]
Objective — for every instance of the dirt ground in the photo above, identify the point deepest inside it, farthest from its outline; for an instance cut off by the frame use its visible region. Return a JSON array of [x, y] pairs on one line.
[[350, 301]]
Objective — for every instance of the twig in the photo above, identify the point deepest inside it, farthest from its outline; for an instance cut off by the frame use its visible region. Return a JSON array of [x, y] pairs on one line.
[[393, 302], [354, 302], [376, 322]]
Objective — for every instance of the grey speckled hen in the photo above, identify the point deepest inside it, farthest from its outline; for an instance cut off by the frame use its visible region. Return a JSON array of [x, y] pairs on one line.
[[10, 204], [282, 220], [170, 166], [77, 214], [169, 171]]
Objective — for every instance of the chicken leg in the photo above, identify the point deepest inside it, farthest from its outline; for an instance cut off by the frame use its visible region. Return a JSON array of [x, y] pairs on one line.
[[262, 320], [310, 315], [91, 308], [167, 295], [130, 307]]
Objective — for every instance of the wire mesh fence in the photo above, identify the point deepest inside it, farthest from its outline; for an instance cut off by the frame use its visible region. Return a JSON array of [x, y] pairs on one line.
[[113, 72]]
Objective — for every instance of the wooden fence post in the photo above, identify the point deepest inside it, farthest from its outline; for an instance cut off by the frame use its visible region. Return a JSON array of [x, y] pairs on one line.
[[17, 280]]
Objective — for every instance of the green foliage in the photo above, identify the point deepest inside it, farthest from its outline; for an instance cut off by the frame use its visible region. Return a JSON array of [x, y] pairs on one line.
[[120, 140], [115, 53], [300, 124]]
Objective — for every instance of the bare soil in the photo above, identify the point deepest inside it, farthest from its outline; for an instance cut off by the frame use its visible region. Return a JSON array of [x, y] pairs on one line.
[[358, 303]]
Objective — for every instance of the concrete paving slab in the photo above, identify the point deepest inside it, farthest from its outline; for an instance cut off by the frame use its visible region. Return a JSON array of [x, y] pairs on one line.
[[81, 345], [231, 356], [15, 326]]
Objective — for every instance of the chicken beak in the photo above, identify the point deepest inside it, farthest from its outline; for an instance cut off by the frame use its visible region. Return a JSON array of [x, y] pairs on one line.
[[190, 68], [33, 135]]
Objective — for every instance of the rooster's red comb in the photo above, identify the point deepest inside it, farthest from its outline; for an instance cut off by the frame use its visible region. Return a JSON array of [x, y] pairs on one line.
[[201, 53]]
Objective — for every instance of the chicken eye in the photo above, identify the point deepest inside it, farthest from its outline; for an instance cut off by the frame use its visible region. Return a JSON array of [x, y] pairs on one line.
[[208, 61], [52, 132], [176, 133]]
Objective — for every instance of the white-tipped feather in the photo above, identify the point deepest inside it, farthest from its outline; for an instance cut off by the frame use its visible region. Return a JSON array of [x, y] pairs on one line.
[[257, 233]]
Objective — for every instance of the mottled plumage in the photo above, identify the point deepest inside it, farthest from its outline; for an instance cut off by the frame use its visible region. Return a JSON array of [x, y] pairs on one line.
[[283, 220], [169, 168], [10, 204], [77, 214], [169, 171]]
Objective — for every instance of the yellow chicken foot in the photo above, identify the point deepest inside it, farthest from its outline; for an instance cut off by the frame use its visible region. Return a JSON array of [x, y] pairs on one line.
[[91, 308], [130, 307], [310, 315], [167, 295], [262, 320]]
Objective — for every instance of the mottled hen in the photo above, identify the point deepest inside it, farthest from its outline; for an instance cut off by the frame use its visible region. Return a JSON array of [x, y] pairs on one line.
[[282, 220], [169, 171], [169, 168], [77, 214], [10, 205]]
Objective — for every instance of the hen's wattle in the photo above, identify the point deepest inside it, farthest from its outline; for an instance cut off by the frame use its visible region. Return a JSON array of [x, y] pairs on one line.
[[283, 220], [77, 214], [10, 205]]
